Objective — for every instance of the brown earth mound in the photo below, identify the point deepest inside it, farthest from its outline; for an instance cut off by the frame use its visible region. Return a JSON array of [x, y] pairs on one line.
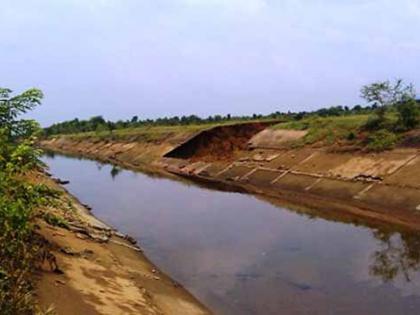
[[218, 143]]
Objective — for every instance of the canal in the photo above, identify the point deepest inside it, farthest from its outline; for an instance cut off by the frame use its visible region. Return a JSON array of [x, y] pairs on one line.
[[242, 255]]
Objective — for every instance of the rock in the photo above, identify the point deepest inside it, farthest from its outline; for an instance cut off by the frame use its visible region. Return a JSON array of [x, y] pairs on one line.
[[101, 238], [81, 236], [68, 251], [86, 254], [130, 239], [77, 229], [61, 182], [87, 206], [118, 234]]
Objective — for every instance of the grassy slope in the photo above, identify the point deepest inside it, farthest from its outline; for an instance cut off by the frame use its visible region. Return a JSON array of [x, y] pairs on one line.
[[326, 130], [321, 131], [150, 133]]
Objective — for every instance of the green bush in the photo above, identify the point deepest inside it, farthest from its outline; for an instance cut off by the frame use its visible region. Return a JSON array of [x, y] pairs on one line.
[[409, 113], [19, 199], [381, 140]]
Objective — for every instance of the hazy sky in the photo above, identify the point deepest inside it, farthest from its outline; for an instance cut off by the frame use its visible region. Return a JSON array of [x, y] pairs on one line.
[[156, 58]]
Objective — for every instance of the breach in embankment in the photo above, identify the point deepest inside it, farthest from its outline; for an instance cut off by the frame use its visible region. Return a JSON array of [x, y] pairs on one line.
[[322, 163]]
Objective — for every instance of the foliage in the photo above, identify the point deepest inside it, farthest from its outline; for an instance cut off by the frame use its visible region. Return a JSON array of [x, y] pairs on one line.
[[385, 94], [327, 130], [381, 140], [99, 125], [55, 220], [409, 113], [18, 200]]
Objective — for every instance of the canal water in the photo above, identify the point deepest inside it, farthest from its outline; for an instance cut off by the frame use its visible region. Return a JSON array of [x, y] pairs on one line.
[[241, 255]]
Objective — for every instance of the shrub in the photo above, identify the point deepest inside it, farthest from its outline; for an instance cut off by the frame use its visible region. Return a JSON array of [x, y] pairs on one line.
[[19, 245], [381, 140], [409, 113]]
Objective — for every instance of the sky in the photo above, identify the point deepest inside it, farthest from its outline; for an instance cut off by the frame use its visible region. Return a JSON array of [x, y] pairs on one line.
[[155, 58]]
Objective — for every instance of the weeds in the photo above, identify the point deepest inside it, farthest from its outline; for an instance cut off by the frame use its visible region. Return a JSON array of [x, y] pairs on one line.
[[381, 140], [54, 220]]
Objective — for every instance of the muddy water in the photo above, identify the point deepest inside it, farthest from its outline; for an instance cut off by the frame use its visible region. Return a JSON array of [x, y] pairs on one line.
[[241, 255]]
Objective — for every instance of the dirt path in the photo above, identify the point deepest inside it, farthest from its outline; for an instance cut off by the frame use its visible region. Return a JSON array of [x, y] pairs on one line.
[[103, 272]]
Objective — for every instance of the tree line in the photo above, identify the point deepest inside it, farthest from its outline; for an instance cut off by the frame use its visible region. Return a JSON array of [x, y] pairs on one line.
[[381, 97], [98, 123]]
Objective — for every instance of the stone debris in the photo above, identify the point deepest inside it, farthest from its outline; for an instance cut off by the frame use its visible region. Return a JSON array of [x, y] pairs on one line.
[[368, 178], [69, 251], [130, 239], [136, 248], [61, 182]]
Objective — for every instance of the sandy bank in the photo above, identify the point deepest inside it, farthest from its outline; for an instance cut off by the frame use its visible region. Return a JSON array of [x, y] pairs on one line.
[[104, 272]]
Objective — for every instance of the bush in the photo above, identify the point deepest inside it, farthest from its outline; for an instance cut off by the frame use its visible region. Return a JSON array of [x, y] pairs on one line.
[[19, 244], [381, 140], [409, 113]]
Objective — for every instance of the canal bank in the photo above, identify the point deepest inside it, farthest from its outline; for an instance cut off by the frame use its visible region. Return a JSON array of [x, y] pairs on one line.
[[91, 268], [380, 186], [241, 255]]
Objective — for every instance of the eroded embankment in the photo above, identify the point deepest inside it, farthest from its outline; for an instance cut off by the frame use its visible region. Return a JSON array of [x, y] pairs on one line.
[[220, 142], [381, 187]]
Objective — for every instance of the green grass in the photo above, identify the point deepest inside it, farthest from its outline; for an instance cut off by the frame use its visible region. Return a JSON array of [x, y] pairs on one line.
[[326, 130], [150, 133]]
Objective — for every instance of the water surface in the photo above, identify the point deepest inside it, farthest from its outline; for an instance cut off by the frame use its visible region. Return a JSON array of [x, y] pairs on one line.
[[241, 255]]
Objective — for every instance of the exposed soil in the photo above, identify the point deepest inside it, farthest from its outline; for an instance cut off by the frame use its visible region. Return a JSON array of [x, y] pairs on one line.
[[219, 143]]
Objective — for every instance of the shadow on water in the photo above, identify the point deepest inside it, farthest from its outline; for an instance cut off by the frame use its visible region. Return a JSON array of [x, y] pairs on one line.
[[243, 255]]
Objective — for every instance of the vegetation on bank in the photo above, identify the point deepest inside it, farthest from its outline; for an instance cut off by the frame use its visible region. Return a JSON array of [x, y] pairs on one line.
[[146, 133], [99, 126], [20, 245], [394, 111], [391, 111]]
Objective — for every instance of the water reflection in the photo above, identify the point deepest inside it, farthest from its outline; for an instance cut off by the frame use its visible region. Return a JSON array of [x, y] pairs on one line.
[[399, 254], [241, 255], [115, 171]]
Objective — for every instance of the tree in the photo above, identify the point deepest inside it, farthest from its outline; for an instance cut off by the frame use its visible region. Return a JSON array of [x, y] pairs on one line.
[[11, 107], [20, 201], [385, 94]]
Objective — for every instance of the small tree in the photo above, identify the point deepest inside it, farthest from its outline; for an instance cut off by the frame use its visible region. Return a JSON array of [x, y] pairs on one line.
[[11, 107], [385, 94]]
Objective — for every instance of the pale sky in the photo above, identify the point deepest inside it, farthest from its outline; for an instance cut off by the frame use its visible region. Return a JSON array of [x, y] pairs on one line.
[[153, 58]]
